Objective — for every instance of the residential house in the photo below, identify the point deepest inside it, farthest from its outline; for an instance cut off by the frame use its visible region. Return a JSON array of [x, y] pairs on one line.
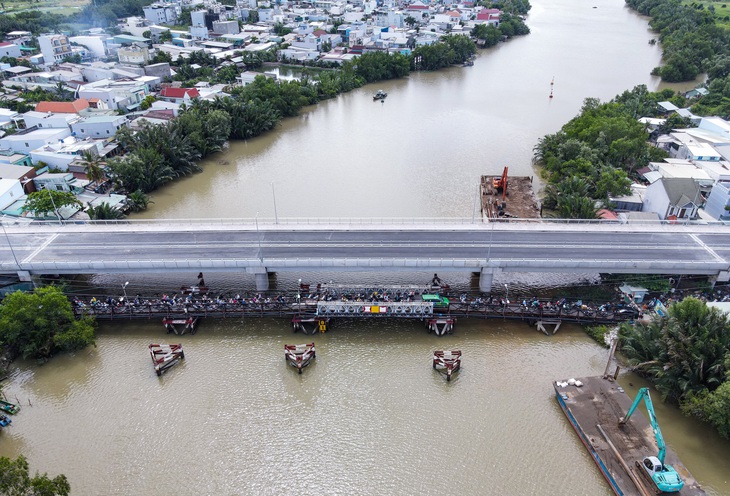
[[697, 92], [63, 107], [9, 50], [58, 181], [248, 77], [63, 152], [716, 125], [99, 127], [10, 119], [178, 95], [10, 191], [122, 95], [666, 108], [673, 198], [9, 157], [20, 173], [718, 203], [162, 13], [44, 120], [57, 47], [490, 17], [30, 139], [134, 55]]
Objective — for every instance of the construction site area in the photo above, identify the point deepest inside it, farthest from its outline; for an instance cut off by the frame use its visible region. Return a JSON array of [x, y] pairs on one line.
[[504, 197]]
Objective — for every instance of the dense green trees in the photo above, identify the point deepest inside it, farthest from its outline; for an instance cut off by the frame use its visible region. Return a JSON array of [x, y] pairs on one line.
[[15, 480], [453, 49], [37, 324], [687, 357], [601, 147], [691, 41]]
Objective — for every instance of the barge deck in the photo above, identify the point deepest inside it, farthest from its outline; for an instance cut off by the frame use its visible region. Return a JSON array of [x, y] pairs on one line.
[[594, 411]]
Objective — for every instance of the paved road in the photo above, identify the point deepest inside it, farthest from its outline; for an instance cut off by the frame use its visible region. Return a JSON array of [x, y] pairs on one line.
[[100, 249]]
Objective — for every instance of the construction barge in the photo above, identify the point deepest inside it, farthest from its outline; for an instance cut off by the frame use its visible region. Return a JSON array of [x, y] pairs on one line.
[[594, 406]]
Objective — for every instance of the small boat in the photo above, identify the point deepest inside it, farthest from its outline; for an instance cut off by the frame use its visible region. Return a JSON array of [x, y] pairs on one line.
[[194, 289], [9, 407], [299, 355], [448, 361], [4, 421], [379, 95]]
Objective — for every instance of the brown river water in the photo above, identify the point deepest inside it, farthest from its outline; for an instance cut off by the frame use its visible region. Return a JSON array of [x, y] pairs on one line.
[[370, 416]]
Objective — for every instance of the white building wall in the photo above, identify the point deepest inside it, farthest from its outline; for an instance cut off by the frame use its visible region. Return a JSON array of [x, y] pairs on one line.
[[95, 44], [11, 50], [10, 191], [719, 198], [656, 200]]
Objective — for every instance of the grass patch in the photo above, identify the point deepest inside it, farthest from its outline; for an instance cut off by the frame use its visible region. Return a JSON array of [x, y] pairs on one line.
[[598, 334], [54, 6], [721, 8]]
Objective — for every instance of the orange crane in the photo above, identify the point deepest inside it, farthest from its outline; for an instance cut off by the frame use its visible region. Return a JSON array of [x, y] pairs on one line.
[[500, 183]]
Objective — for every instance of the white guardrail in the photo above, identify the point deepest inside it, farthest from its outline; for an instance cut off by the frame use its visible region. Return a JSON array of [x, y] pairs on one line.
[[346, 221]]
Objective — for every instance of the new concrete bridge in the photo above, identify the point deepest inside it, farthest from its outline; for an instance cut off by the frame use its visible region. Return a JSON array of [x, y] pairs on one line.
[[262, 246]]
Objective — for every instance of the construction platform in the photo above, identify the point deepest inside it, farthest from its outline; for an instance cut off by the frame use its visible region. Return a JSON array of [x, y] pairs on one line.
[[519, 202], [594, 411]]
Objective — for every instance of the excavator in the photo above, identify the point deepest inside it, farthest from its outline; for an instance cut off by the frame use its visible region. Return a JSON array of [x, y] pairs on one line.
[[500, 183], [663, 476]]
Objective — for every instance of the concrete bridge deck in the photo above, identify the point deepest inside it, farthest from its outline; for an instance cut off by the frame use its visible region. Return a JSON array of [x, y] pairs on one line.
[[262, 246]]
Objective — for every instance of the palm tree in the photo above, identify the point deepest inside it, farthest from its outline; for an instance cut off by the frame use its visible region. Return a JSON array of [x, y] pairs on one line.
[[93, 167], [138, 201], [104, 211]]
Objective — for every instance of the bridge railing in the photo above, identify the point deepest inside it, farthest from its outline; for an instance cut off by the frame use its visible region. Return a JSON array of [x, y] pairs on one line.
[[348, 221], [367, 308]]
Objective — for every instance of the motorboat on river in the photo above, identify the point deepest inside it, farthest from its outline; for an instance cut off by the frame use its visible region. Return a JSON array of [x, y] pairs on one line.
[[8, 407], [379, 95]]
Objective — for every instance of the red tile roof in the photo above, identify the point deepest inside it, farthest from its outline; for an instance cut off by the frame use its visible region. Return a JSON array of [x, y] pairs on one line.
[[417, 7], [179, 92], [63, 107]]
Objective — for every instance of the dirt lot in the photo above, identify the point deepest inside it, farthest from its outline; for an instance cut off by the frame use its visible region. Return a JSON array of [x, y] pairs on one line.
[[520, 202]]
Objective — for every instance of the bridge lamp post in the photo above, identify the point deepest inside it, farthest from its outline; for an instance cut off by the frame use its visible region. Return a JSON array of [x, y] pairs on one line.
[[506, 297], [7, 238], [124, 290], [299, 295], [258, 237], [273, 192]]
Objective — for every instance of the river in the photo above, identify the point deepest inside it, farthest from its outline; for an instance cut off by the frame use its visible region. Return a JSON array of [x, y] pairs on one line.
[[370, 416], [421, 152]]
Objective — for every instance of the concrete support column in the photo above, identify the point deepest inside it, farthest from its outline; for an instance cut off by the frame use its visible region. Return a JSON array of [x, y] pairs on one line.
[[485, 279], [24, 276], [262, 281]]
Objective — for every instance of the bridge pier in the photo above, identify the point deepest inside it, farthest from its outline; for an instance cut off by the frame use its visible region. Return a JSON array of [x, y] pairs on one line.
[[262, 281], [485, 279], [24, 276]]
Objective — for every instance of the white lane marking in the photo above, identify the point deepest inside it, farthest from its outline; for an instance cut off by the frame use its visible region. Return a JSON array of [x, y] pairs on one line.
[[40, 248], [709, 250]]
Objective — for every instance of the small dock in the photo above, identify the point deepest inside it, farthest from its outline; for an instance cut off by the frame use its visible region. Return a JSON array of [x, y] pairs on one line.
[[165, 356], [186, 325], [594, 410], [440, 327]]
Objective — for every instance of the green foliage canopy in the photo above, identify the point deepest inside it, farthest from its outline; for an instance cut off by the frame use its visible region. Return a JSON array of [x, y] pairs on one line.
[[15, 480], [37, 324]]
